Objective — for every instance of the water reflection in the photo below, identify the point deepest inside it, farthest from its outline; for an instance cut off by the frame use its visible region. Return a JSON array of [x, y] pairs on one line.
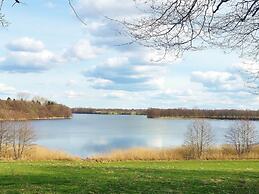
[[86, 135], [112, 144]]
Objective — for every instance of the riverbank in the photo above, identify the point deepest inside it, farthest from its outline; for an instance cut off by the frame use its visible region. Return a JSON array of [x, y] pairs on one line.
[[130, 177], [37, 119]]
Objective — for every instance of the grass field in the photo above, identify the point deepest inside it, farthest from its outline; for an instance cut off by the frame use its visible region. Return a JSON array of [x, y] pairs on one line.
[[130, 177]]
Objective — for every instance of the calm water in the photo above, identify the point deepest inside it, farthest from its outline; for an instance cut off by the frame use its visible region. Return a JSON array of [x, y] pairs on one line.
[[86, 135]]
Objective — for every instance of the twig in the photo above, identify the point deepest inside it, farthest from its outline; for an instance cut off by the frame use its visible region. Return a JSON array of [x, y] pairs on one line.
[[76, 14]]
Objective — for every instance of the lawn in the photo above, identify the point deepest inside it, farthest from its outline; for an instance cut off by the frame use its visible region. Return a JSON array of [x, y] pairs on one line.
[[130, 177]]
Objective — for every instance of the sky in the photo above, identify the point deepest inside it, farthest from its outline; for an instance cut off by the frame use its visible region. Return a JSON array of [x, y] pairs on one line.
[[46, 51]]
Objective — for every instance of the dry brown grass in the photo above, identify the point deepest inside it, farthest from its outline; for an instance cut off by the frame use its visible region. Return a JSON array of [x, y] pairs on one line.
[[225, 152], [144, 154], [181, 153], [39, 153]]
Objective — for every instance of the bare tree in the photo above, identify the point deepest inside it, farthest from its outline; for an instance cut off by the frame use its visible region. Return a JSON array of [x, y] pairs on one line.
[[23, 96], [40, 99], [199, 137], [181, 25], [22, 135], [241, 135], [3, 136]]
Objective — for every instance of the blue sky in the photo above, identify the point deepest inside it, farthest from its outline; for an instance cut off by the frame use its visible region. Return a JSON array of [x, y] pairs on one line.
[[46, 51]]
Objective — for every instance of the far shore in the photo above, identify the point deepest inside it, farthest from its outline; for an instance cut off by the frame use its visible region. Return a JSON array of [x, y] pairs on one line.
[[171, 118], [212, 118]]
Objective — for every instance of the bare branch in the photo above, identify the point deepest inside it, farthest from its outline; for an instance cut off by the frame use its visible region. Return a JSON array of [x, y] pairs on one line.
[[76, 14], [182, 25]]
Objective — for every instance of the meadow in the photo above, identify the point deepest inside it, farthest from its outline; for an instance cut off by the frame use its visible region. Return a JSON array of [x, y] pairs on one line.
[[129, 177]]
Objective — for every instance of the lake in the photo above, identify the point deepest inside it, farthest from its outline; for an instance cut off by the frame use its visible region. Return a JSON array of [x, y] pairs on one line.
[[86, 135]]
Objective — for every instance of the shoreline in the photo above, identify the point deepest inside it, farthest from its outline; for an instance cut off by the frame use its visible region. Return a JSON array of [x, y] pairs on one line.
[[38, 119]]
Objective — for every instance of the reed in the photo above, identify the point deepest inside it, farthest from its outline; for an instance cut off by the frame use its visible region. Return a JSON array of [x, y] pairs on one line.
[[39, 153], [223, 152]]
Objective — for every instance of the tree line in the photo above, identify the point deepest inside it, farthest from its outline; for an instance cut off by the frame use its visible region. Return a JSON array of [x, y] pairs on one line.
[[13, 109], [232, 114], [202, 113], [113, 111]]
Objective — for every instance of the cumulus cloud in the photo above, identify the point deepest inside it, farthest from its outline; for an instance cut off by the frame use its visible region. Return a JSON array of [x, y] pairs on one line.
[[25, 62], [83, 50], [108, 32], [125, 73], [28, 55], [105, 33], [25, 44], [134, 68], [219, 81]]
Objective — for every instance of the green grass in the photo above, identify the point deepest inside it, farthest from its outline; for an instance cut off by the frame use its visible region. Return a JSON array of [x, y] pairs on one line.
[[130, 177]]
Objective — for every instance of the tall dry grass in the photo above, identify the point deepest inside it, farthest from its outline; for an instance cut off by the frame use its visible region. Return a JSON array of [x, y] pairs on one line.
[[39, 153], [181, 153], [225, 152]]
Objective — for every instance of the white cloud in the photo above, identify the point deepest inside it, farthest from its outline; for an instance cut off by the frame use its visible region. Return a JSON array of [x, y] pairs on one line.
[[123, 95], [39, 58], [111, 8], [98, 82], [117, 61], [160, 57], [83, 50], [2, 59], [126, 73], [28, 55], [117, 94], [71, 83], [6, 89], [219, 81], [26, 44], [73, 94]]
